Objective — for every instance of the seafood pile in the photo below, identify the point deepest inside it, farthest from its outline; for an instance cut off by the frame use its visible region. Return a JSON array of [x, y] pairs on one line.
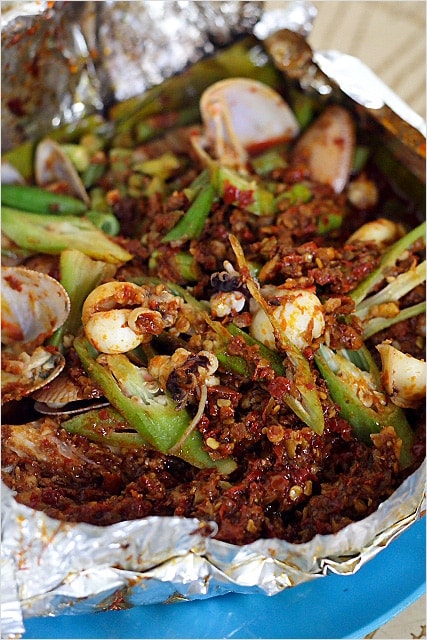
[[217, 313]]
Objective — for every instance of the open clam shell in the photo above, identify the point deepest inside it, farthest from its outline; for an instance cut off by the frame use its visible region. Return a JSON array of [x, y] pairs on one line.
[[33, 306], [327, 147], [52, 165], [63, 396], [22, 375], [242, 115]]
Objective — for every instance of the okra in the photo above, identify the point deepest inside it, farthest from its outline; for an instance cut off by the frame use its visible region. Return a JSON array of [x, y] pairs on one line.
[[355, 386], [298, 193], [241, 192], [238, 364], [104, 426], [107, 222], [155, 417], [181, 263], [306, 403]]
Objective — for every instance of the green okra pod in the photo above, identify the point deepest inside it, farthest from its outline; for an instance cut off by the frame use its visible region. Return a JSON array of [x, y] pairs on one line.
[[104, 426], [79, 276], [156, 418], [235, 189], [357, 390], [105, 221], [305, 402], [237, 364]]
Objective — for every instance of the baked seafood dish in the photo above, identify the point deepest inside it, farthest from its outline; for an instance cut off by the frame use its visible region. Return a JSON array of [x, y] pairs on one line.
[[213, 309]]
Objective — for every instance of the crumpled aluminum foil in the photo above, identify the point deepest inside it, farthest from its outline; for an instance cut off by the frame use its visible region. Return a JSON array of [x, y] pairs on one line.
[[56, 568], [88, 53]]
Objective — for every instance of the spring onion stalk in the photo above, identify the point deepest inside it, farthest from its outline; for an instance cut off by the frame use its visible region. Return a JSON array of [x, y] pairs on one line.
[[79, 276], [53, 234], [388, 260], [374, 325], [381, 310]]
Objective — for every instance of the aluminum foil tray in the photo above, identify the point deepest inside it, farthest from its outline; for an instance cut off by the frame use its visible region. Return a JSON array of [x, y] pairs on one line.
[[55, 568]]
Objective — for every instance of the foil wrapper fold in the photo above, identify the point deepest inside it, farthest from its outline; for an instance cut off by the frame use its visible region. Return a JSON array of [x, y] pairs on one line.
[[63, 60], [113, 50], [57, 568]]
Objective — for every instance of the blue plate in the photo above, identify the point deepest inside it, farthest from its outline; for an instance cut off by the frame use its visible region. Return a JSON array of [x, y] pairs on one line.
[[331, 607]]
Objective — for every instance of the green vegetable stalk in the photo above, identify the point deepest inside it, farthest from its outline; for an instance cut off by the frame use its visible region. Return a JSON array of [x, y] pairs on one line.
[[181, 263], [79, 276], [238, 190], [354, 383], [306, 403], [38, 200], [105, 221], [53, 234], [235, 363], [154, 416], [388, 260], [22, 156], [105, 426], [191, 225], [369, 307]]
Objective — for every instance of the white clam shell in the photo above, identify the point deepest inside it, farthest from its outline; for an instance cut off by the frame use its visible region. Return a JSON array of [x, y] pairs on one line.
[[327, 147], [403, 376], [51, 164], [243, 114], [33, 305]]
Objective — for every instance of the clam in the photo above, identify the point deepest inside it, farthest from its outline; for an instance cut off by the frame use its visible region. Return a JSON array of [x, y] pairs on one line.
[[23, 374], [403, 376], [33, 306], [242, 116], [327, 147], [9, 174], [64, 395], [52, 166]]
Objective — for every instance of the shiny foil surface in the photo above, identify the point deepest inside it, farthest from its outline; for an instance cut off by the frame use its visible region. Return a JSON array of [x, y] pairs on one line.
[[113, 50]]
